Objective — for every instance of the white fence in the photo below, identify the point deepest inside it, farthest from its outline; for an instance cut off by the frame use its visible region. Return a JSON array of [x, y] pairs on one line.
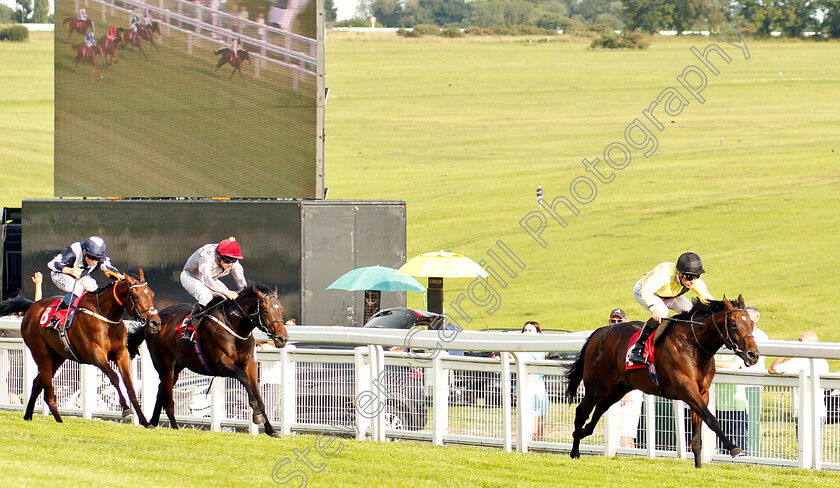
[[445, 398]]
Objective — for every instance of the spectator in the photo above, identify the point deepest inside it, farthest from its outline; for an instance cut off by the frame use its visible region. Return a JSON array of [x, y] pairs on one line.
[[539, 196], [738, 407], [291, 322], [243, 19], [261, 26], [795, 365], [37, 278], [539, 396]]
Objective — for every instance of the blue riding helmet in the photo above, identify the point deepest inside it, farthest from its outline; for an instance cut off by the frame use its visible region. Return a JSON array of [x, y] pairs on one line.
[[89, 38], [94, 247]]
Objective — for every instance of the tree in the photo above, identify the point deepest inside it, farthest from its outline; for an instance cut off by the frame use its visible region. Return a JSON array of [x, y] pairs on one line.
[[24, 10], [644, 15], [685, 13], [831, 17], [42, 11], [330, 11], [7, 15]]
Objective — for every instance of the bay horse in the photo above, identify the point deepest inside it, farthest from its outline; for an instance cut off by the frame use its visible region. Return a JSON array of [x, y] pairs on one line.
[[146, 33], [685, 365], [80, 26], [227, 55], [132, 37], [97, 335], [89, 54], [111, 43], [224, 341]]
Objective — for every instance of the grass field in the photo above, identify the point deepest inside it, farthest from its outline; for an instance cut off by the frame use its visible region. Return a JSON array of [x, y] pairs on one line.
[[88, 453], [464, 130]]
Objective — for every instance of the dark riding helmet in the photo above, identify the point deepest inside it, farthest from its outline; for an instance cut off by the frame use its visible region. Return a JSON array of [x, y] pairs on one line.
[[690, 263], [94, 247]]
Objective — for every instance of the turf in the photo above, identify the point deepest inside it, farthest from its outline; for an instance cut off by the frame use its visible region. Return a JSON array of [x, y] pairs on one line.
[[87, 453], [464, 130]]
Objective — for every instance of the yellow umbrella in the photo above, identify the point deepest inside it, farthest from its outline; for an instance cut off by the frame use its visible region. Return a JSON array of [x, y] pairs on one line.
[[437, 266], [442, 264]]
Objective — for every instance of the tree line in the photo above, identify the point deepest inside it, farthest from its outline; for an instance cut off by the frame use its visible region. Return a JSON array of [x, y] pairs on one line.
[[26, 11], [758, 17]]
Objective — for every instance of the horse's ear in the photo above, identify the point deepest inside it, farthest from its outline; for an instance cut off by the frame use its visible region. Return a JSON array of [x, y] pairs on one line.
[[140, 274], [741, 302], [274, 288], [256, 290], [727, 303]]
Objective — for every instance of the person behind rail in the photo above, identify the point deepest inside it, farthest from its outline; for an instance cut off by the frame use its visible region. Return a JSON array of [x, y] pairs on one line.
[[662, 289], [203, 269]]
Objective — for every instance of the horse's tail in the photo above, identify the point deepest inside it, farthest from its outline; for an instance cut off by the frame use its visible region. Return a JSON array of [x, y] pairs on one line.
[[66, 19], [136, 336], [15, 305], [575, 374]]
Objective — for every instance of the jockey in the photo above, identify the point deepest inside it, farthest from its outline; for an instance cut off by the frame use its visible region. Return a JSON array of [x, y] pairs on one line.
[[203, 269], [134, 22], [112, 33], [70, 270], [147, 17], [82, 15], [90, 40], [661, 290], [235, 46]]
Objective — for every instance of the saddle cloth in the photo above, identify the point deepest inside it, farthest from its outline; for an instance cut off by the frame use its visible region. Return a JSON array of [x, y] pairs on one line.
[[648, 351], [61, 315]]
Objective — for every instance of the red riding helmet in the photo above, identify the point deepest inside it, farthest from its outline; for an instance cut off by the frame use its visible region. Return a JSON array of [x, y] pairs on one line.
[[230, 248]]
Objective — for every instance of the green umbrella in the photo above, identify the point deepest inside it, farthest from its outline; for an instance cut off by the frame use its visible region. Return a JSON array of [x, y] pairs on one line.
[[380, 278]]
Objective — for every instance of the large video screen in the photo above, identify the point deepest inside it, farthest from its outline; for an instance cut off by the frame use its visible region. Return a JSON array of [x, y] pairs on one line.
[[174, 98]]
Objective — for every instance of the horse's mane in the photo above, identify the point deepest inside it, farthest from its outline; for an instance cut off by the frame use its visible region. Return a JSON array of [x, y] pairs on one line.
[[263, 288], [699, 309]]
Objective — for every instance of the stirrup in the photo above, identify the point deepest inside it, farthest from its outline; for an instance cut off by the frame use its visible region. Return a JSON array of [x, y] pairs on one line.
[[637, 355], [189, 336]]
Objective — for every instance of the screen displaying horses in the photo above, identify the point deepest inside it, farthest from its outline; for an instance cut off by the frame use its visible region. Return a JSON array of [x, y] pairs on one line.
[[146, 106]]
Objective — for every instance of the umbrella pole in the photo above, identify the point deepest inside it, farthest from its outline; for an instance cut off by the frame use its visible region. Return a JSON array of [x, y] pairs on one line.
[[372, 303], [435, 295]]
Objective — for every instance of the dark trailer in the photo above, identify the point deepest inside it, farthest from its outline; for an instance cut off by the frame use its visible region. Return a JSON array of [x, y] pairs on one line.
[[301, 245]]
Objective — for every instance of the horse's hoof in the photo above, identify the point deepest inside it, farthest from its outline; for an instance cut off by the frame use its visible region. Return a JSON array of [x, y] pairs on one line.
[[574, 455], [259, 419], [149, 426], [275, 434], [27, 417], [126, 412], [737, 452]]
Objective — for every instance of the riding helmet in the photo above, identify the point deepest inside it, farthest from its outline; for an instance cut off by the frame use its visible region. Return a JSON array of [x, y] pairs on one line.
[[690, 263], [230, 248], [94, 247]]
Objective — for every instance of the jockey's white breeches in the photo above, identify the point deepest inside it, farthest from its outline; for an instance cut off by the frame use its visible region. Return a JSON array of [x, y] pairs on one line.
[[197, 289], [70, 284], [663, 305]]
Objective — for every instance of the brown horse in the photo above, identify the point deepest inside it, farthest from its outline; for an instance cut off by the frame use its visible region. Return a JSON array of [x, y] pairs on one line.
[[684, 363], [227, 55], [97, 336], [89, 54], [225, 342], [132, 36], [111, 44], [80, 26]]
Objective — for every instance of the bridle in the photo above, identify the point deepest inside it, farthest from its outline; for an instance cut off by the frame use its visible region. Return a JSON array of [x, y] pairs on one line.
[[138, 314], [257, 318], [725, 334]]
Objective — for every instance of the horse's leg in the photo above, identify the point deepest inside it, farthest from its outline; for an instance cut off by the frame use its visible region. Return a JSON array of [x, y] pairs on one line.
[[233, 72], [100, 360], [251, 371], [219, 64], [696, 439], [698, 403], [37, 388], [618, 392], [46, 372], [165, 395], [153, 44], [140, 47], [124, 364], [590, 400]]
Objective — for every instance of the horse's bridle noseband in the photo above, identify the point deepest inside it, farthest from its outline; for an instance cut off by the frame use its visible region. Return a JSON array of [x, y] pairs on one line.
[[138, 314], [256, 318], [725, 335]]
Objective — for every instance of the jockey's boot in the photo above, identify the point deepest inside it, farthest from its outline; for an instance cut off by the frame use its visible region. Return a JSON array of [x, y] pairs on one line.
[[195, 319], [64, 303], [637, 352]]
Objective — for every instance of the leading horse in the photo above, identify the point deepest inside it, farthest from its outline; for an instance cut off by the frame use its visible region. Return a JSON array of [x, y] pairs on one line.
[[224, 346], [97, 336], [684, 363], [80, 26]]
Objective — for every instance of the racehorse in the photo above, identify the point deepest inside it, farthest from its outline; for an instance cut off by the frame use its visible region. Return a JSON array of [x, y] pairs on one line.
[[97, 335], [111, 44], [133, 37], [80, 26], [146, 33], [684, 359], [89, 54], [227, 55], [224, 346]]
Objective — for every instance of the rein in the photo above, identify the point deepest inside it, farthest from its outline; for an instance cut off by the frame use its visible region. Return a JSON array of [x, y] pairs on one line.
[[728, 342], [255, 318]]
